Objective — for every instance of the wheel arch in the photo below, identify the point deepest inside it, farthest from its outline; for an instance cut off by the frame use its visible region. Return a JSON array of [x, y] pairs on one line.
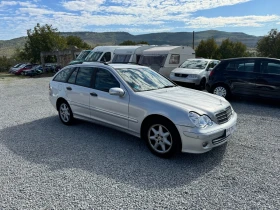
[[59, 101]]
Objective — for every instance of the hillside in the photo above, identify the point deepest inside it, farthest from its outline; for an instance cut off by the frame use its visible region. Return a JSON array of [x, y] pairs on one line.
[[113, 38]]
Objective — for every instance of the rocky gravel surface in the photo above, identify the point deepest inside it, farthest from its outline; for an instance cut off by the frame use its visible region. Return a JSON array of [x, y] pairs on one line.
[[47, 165]]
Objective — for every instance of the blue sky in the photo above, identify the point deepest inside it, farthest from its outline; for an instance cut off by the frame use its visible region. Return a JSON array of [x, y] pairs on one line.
[[255, 17]]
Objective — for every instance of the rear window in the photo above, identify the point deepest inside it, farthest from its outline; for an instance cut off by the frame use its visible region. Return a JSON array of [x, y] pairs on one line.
[[242, 66]]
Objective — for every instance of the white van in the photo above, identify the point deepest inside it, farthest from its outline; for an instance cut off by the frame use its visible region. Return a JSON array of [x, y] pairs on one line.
[[129, 54], [102, 53], [164, 59]]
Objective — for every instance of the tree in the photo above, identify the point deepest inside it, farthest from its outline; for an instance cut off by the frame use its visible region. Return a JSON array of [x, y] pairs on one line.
[[229, 49], [77, 41], [207, 49], [269, 46], [42, 38]]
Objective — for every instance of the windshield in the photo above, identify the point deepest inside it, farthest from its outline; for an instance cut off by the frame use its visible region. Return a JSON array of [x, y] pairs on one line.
[[83, 55], [93, 56], [194, 64], [144, 79], [121, 58]]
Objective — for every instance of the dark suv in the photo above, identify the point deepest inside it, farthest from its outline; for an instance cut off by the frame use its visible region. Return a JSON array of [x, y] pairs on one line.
[[246, 76]]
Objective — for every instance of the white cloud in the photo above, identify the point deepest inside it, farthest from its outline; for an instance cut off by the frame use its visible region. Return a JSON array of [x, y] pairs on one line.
[[243, 21]]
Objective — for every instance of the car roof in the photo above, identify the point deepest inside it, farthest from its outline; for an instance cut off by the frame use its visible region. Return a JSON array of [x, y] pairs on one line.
[[113, 65], [204, 59], [243, 58]]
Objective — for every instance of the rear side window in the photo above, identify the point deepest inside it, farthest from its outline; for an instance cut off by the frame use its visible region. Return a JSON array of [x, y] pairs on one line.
[[84, 76], [242, 66], [63, 75], [174, 59], [270, 67], [72, 78]]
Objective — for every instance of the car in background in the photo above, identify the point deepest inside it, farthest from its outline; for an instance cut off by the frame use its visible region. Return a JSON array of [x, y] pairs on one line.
[[247, 76], [194, 72], [22, 68], [81, 57], [14, 68], [139, 101], [35, 70]]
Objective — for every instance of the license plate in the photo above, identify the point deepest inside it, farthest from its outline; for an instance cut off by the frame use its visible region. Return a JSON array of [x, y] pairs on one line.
[[230, 130]]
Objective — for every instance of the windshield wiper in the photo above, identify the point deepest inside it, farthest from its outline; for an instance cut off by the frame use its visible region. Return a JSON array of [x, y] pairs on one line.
[[169, 86]]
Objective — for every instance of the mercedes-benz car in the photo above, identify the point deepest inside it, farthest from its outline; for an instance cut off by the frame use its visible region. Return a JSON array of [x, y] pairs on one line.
[[139, 101]]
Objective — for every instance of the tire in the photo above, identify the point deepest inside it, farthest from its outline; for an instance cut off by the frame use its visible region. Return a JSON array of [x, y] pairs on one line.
[[202, 84], [162, 137], [221, 90], [65, 113]]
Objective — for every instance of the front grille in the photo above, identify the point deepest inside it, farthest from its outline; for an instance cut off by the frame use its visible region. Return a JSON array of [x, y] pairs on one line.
[[224, 116], [181, 75]]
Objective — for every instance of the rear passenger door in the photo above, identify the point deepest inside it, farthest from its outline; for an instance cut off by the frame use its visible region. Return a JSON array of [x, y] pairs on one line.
[[78, 91], [241, 76], [268, 81]]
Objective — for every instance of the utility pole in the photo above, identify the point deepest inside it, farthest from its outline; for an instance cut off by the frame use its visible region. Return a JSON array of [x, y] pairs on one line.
[[193, 40]]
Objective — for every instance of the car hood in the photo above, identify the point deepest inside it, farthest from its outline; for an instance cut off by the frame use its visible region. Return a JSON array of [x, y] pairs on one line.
[[188, 99], [187, 71]]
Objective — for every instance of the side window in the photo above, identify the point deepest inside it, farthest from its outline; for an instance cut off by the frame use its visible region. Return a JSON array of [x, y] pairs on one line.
[[72, 78], [242, 66], [104, 80], [63, 75], [174, 59], [106, 57], [270, 67], [84, 76], [121, 58]]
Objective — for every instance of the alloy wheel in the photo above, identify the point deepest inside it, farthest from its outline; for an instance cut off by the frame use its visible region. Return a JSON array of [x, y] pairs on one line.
[[64, 112], [220, 91], [160, 138]]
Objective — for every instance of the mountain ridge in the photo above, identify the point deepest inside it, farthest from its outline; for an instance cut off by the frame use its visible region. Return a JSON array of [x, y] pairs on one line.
[[7, 47]]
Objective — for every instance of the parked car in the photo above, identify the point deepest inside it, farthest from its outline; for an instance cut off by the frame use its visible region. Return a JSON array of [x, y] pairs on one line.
[[193, 72], [35, 70], [22, 68], [246, 76], [137, 100], [81, 57], [14, 68]]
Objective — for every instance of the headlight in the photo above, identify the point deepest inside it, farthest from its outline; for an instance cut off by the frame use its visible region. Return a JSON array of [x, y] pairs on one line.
[[192, 76], [172, 74], [200, 121]]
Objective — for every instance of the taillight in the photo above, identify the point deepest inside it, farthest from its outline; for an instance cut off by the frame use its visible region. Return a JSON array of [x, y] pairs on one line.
[[211, 73]]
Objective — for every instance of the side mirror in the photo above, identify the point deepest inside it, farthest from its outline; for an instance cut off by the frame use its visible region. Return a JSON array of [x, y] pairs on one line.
[[210, 69], [116, 92]]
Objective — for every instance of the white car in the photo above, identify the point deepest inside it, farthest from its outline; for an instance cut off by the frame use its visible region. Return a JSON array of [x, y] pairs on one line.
[[194, 72], [139, 101]]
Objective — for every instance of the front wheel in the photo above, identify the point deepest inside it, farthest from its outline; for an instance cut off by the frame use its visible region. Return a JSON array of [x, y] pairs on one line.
[[65, 113], [221, 90], [162, 138]]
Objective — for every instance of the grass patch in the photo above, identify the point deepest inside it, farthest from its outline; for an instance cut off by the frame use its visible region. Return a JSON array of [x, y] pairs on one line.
[[4, 76]]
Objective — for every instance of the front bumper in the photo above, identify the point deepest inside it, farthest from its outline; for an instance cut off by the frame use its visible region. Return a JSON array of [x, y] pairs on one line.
[[196, 140], [187, 80]]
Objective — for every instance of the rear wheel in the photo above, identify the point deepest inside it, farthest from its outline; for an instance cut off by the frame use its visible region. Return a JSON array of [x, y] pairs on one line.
[[221, 90], [162, 137], [65, 113]]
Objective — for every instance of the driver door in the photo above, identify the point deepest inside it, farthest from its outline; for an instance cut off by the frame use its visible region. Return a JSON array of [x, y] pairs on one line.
[[109, 109]]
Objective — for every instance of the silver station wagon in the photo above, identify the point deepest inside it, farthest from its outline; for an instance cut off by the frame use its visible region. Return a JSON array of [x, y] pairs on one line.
[[139, 101]]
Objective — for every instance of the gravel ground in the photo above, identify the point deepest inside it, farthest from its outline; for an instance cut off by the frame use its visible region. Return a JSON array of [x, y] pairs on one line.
[[47, 165]]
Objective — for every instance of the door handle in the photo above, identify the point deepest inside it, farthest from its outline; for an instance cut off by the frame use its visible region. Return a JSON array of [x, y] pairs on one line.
[[69, 88], [93, 94]]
